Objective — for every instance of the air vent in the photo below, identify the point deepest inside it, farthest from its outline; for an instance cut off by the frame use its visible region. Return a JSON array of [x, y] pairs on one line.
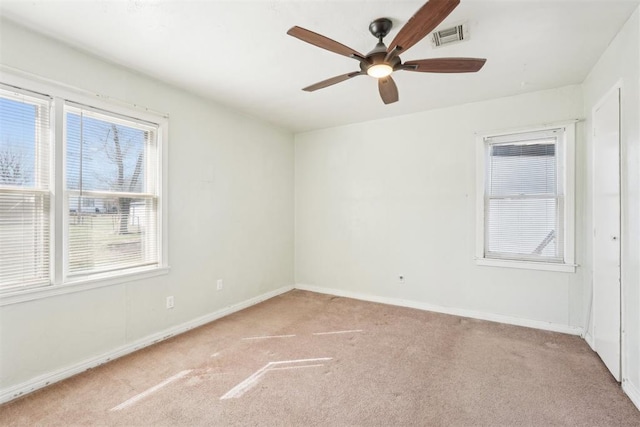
[[450, 35]]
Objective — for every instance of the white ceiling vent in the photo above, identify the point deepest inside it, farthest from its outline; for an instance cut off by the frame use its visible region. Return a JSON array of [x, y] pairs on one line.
[[451, 35]]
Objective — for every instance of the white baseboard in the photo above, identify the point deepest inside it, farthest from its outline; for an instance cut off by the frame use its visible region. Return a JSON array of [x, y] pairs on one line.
[[589, 339], [633, 392], [40, 381], [537, 324]]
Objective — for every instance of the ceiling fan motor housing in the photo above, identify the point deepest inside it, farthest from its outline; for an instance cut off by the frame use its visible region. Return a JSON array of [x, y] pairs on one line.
[[377, 56], [380, 28]]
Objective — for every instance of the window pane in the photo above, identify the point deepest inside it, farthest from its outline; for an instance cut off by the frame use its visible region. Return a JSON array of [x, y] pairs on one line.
[[103, 237], [103, 155], [523, 169], [523, 227], [24, 197], [20, 126]]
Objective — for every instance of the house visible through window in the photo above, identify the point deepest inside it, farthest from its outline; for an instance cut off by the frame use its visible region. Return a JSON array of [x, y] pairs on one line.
[[526, 208], [105, 221]]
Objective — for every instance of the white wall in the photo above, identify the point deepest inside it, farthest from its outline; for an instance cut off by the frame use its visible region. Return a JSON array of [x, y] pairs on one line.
[[230, 217], [621, 61], [397, 196]]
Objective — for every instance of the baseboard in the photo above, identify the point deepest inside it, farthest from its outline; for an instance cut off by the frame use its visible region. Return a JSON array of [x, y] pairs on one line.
[[537, 324], [61, 374], [633, 392], [589, 339]]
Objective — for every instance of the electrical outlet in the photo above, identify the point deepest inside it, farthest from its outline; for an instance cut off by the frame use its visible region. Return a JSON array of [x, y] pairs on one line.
[[170, 302], [401, 279], [219, 284]]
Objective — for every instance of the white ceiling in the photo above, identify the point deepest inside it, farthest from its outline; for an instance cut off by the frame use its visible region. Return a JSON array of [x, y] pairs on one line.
[[238, 54]]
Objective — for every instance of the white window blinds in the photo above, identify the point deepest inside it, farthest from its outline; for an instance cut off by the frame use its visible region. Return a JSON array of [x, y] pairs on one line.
[[24, 189], [524, 198], [111, 192]]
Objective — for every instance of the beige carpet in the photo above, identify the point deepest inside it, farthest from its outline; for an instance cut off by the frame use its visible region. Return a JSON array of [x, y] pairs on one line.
[[336, 361]]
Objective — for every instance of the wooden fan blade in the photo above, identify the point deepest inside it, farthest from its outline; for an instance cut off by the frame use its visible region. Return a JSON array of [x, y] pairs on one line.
[[332, 81], [323, 42], [428, 17], [445, 65], [388, 90]]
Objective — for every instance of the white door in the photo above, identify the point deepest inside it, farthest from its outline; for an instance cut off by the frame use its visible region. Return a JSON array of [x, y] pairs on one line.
[[606, 220]]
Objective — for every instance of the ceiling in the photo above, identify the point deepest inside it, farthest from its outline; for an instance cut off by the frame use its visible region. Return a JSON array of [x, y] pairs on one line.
[[238, 53]]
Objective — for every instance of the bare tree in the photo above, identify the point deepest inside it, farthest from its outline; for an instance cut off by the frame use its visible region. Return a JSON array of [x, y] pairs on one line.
[[12, 170], [116, 151]]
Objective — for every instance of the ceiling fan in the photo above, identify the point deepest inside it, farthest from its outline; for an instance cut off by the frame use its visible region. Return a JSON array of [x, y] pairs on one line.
[[383, 60]]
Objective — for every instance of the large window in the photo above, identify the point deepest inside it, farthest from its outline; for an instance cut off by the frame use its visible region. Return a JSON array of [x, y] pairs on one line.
[[80, 192], [526, 212]]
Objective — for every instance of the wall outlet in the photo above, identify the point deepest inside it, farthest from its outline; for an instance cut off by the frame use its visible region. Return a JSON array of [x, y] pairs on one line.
[[219, 284], [401, 279], [170, 302]]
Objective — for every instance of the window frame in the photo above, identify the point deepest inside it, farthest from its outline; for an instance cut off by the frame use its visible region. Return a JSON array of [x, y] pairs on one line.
[[61, 94], [565, 164], [73, 107]]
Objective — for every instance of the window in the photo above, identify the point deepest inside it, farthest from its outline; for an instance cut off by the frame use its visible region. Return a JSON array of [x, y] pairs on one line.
[[24, 190], [526, 207], [111, 192], [81, 197]]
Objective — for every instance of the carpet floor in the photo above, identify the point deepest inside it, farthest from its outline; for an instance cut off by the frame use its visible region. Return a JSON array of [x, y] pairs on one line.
[[309, 359]]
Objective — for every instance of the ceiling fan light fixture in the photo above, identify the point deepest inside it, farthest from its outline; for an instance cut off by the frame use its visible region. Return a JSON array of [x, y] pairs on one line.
[[379, 70]]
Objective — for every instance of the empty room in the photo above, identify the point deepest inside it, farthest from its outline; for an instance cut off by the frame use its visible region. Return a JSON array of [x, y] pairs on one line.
[[386, 213]]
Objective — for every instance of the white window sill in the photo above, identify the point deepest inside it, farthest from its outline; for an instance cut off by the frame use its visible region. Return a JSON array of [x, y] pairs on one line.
[[20, 296], [527, 265]]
